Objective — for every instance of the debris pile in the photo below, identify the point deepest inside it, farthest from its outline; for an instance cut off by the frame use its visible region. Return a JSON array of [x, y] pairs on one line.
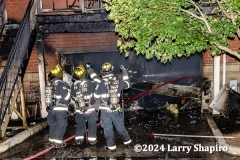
[[233, 104]]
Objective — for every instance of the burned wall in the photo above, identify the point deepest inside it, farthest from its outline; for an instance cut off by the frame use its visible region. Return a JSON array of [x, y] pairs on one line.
[[144, 73], [142, 70]]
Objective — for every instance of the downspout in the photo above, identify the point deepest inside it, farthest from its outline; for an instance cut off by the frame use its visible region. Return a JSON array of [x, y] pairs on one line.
[[42, 76], [216, 78], [224, 69], [41, 63], [42, 84]]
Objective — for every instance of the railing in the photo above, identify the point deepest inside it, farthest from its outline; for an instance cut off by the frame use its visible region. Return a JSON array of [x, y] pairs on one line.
[[79, 6], [18, 54], [3, 15]]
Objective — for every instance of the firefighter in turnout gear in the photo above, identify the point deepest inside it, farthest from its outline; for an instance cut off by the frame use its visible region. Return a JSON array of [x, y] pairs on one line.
[[82, 92], [57, 109], [108, 94]]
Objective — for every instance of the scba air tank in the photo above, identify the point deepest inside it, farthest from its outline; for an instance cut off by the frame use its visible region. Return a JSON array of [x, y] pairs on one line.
[[79, 98], [48, 95]]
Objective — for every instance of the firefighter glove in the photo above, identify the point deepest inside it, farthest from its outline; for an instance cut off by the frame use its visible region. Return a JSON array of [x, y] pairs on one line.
[[124, 71], [122, 67], [119, 109], [88, 65], [49, 108]]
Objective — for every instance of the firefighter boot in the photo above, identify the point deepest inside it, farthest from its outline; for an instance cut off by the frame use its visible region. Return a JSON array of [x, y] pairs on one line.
[[108, 149], [62, 145], [79, 143], [93, 142]]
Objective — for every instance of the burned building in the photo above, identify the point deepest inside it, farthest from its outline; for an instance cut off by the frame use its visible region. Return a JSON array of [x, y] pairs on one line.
[[71, 33]]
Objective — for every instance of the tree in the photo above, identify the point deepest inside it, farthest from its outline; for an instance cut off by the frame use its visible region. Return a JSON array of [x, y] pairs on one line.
[[170, 28]]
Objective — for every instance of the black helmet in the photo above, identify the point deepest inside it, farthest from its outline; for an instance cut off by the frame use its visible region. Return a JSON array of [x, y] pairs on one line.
[[79, 72], [107, 68], [56, 71]]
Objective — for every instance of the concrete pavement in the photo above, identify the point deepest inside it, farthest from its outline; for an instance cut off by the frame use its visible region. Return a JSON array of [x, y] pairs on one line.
[[232, 150]]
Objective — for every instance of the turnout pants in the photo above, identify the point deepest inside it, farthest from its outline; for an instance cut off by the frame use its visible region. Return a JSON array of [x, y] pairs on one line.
[[80, 119], [57, 121], [107, 121]]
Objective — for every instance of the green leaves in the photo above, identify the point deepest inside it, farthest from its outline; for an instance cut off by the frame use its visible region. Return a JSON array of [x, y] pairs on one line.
[[162, 29]]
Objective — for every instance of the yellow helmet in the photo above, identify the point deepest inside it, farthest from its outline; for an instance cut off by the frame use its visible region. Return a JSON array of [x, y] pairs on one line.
[[55, 72], [79, 72], [107, 68]]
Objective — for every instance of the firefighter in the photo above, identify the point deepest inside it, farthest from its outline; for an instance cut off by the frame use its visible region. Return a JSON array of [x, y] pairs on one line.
[[82, 92], [108, 94], [57, 109]]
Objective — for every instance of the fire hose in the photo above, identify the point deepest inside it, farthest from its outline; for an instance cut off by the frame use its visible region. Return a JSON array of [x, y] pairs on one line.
[[52, 146], [129, 100], [158, 86]]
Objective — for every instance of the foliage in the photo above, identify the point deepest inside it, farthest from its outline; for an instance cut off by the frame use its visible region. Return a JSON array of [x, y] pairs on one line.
[[168, 28]]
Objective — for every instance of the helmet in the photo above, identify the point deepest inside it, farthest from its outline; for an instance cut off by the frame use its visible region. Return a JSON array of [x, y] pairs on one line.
[[55, 72], [79, 72], [107, 68]]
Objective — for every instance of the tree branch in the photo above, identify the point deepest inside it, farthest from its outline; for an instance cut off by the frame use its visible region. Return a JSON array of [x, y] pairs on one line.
[[228, 50], [229, 16], [224, 12], [202, 18], [238, 12], [238, 32], [192, 14], [193, 3]]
